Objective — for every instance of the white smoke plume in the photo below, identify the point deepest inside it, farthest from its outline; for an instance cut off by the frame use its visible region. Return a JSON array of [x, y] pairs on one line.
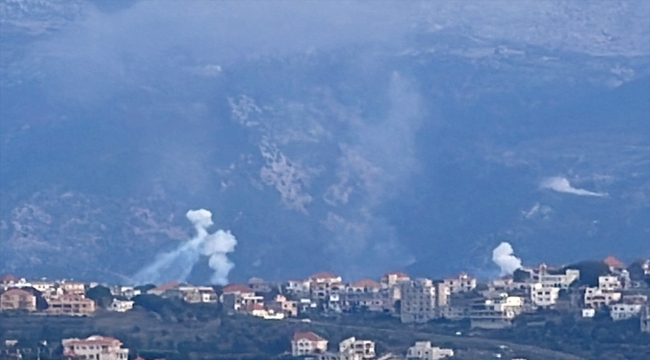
[[503, 256], [177, 265], [562, 184]]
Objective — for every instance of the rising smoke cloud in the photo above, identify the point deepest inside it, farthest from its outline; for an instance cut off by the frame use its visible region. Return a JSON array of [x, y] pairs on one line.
[[503, 256], [562, 184], [177, 264]]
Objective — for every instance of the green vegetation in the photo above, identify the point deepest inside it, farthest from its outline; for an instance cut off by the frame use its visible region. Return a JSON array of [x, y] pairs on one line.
[[176, 330]]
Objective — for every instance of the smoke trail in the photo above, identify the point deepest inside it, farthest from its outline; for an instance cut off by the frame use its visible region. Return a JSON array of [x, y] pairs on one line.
[[177, 265], [503, 256]]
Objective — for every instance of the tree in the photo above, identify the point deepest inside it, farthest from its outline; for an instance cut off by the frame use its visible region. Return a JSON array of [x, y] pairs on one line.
[[590, 271], [101, 295]]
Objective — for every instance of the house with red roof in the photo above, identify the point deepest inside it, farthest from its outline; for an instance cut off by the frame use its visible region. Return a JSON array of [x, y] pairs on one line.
[[17, 299], [306, 343], [94, 347], [615, 265]]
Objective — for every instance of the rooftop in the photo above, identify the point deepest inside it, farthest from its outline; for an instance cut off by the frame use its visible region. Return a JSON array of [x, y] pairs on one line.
[[613, 262], [237, 288], [308, 335]]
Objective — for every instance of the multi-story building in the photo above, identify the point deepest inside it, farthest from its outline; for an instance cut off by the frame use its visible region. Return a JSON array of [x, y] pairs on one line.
[[72, 287], [95, 347], [418, 300], [542, 296], [353, 349], [393, 278], [496, 313], [365, 294], [238, 297], [324, 284], [550, 278], [70, 305], [298, 288], [609, 283], [17, 299], [280, 304], [306, 343], [596, 298], [391, 284], [460, 283], [424, 351], [623, 311], [197, 294]]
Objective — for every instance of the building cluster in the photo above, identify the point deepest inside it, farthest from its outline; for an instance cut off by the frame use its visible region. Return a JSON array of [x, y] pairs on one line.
[[309, 345], [494, 304], [59, 297]]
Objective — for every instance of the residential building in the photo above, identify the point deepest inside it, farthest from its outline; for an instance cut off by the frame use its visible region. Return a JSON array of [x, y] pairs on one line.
[[198, 294], [418, 300], [128, 292], [365, 294], [460, 283], [94, 348], [324, 284], [298, 288], [261, 286], [70, 305], [238, 297], [72, 287], [609, 283], [623, 311], [549, 278], [542, 296], [280, 304], [393, 278], [353, 349], [496, 313], [305, 343], [423, 350], [391, 284], [17, 299], [595, 297], [44, 287], [121, 305], [615, 265]]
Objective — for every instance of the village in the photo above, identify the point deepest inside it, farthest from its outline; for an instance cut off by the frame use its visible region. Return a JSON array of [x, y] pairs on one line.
[[610, 290]]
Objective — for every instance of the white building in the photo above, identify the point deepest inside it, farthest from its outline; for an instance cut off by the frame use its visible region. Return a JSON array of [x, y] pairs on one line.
[[497, 312], [596, 298], [423, 350], [323, 285], [544, 296], [121, 305], [95, 347], [353, 349], [460, 283], [562, 281], [305, 343], [588, 313], [609, 283], [623, 311]]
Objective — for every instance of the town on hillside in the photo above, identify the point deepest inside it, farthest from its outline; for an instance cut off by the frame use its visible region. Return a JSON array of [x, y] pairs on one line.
[[586, 290]]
